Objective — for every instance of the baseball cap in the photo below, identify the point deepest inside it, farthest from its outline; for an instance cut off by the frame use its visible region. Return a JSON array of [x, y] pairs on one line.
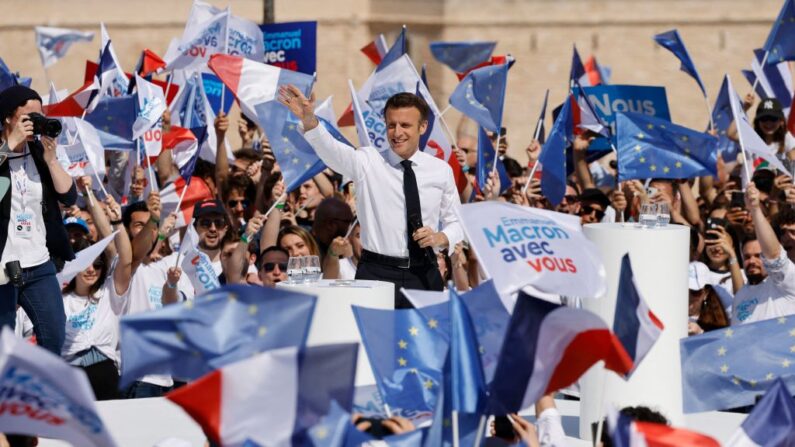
[[769, 107], [76, 221], [208, 206]]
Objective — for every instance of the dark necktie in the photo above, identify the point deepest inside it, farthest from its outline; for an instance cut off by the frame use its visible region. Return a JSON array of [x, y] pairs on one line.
[[413, 210]]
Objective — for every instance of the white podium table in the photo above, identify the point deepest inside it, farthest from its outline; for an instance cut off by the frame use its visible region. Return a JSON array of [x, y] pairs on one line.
[[333, 321]]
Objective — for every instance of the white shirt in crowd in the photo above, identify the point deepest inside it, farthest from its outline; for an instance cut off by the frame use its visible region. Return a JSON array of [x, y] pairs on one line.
[[550, 429], [24, 327], [772, 298], [27, 237], [146, 292], [347, 269], [380, 203], [94, 321]]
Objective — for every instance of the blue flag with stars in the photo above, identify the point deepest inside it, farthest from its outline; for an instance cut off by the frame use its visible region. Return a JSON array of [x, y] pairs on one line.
[[671, 41], [481, 95], [406, 353], [723, 118], [228, 324], [113, 117], [650, 147], [462, 56], [553, 155], [731, 367], [440, 433], [780, 43], [467, 380], [485, 163]]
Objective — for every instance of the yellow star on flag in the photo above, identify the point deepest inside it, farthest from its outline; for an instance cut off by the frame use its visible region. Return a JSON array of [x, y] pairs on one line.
[[792, 348], [642, 159], [402, 362], [785, 363], [721, 351], [678, 164], [428, 384], [782, 320], [650, 126], [752, 382], [189, 304], [769, 376], [321, 432], [735, 380], [640, 136], [414, 331], [724, 368], [402, 344], [652, 168], [728, 333], [792, 333], [285, 139], [684, 138], [252, 310], [666, 169], [262, 331], [291, 126], [638, 148], [414, 371], [433, 324]]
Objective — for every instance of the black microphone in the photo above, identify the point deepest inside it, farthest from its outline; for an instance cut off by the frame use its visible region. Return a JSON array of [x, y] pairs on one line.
[[416, 223]]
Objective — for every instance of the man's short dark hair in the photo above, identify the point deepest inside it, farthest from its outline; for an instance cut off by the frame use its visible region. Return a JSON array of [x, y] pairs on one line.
[[404, 100], [135, 207], [270, 249], [784, 217]]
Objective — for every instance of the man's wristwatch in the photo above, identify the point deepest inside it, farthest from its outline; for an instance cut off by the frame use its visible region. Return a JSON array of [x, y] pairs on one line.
[[731, 261]]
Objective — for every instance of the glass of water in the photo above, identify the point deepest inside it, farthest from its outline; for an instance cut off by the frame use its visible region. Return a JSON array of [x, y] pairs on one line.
[[295, 270], [648, 215], [312, 269], [663, 214]]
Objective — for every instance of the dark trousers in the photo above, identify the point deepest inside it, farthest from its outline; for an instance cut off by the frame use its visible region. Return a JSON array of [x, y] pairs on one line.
[[424, 276], [40, 297], [104, 379]]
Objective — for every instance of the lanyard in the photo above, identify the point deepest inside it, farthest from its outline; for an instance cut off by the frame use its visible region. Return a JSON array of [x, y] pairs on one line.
[[21, 180]]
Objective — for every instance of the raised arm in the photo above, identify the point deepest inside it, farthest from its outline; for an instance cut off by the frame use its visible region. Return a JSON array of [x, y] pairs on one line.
[[240, 256], [97, 213], [221, 162], [123, 271], [771, 248]]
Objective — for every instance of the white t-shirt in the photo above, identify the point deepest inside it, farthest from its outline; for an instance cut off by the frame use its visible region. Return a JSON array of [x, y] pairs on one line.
[[27, 235], [550, 429], [94, 322], [24, 327], [347, 269], [772, 298]]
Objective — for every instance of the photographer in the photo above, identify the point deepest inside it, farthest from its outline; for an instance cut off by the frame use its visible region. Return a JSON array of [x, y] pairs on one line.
[[32, 235]]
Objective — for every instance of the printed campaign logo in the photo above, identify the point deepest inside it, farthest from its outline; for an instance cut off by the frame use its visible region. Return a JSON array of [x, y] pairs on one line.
[[150, 106], [209, 39], [531, 241], [25, 394], [204, 272], [85, 319], [291, 45], [373, 113], [241, 44]]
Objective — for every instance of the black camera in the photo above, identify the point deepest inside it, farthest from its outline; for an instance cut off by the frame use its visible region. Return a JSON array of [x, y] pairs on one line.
[[45, 126]]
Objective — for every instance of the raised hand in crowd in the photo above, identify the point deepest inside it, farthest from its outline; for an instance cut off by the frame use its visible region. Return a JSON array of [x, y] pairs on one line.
[[301, 106], [246, 132], [618, 200], [719, 237], [170, 289], [341, 247], [748, 101], [533, 151], [491, 191]]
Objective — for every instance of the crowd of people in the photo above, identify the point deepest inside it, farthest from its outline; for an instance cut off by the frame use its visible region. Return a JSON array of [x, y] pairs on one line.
[[741, 253]]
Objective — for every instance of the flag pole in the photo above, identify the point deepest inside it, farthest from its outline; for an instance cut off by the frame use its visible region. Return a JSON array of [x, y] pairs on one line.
[[168, 86], [709, 113], [530, 178], [350, 228], [182, 196], [278, 201], [481, 428], [226, 51], [536, 134], [445, 110], [496, 151], [456, 441], [600, 410], [762, 67]]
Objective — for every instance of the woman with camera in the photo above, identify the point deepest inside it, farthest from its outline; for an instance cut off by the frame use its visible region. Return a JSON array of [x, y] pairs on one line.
[[32, 237]]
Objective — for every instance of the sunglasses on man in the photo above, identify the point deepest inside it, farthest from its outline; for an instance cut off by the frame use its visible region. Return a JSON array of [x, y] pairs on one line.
[[588, 209], [234, 203], [207, 223], [271, 266]]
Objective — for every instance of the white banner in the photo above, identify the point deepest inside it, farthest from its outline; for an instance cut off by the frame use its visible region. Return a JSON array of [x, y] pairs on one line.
[[196, 264], [519, 246], [42, 395], [85, 156]]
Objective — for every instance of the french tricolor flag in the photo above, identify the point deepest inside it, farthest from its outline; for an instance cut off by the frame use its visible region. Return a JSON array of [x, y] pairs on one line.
[[548, 347], [265, 400], [771, 422], [189, 192], [634, 324], [624, 432]]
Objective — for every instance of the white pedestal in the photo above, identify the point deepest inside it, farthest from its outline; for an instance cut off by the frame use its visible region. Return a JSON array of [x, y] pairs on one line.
[[659, 262], [333, 321]]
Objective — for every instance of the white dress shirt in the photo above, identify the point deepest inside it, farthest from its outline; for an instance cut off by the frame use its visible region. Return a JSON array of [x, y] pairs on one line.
[[380, 203]]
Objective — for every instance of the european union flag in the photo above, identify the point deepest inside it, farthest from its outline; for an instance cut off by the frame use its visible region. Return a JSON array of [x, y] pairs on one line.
[[730, 368], [671, 41], [113, 117], [462, 56], [440, 433], [297, 159], [481, 95], [650, 147], [553, 155], [467, 381], [223, 326], [487, 156], [780, 43], [772, 421], [406, 352], [329, 431], [723, 118]]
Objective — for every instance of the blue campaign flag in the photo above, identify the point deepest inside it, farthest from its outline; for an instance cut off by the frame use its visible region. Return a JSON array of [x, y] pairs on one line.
[[398, 49], [539, 133], [431, 120], [467, 380], [223, 326], [481, 95], [649, 147], [553, 155], [486, 160], [780, 43], [291, 45], [213, 88], [329, 431], [771, 422], [730, 368], [462, 56], [186, 171], [577, 68], [407, 353], [671, 41], [113, 117], [297, 159], [424, 76], [722, 117], [440, 433]]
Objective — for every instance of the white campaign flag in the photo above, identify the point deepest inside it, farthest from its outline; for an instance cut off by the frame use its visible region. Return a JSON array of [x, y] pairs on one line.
[[205, 34], [44, 396], [358, 118], [119, 83], [82, 260], [519, 246], [148, 124], [196, 264], [750, 141], [54, 42], [85, 155], [245, 39]]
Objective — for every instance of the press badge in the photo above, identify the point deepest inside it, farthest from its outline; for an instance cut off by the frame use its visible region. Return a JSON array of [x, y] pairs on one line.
[[23, 225]]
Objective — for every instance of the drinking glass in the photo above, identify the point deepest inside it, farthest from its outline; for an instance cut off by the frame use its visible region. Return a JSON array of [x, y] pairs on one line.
[[663, 214], [648, 215], [295, 270], [312, 271]]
